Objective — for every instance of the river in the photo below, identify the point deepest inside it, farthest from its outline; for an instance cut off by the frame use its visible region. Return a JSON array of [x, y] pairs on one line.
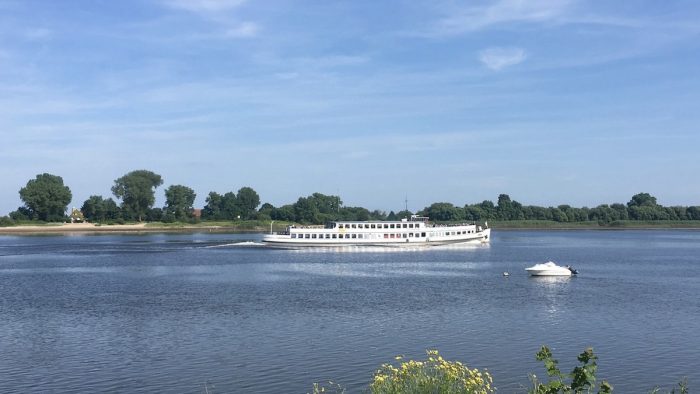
[[219, 313]]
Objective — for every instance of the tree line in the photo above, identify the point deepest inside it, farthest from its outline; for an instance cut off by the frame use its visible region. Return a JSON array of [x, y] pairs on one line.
[[46, 198]]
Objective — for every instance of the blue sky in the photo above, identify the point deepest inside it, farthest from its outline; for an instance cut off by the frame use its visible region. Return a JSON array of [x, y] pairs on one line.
[[551, 102]]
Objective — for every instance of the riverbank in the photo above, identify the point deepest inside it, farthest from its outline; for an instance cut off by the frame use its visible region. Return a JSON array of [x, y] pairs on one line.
[[88, 228], [263, 227], [591, 225]]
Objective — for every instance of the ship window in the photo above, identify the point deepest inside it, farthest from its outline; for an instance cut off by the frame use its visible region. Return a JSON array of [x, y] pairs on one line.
[[391, 225], [328, 236], [422, 235], [410, 225], [386, 235], [405, 235], [366, 225], [294, 235], [341, 225], [392, 235], [307, 235], [410, 235], [335, 236], [354, 235], [372, 226], [313, 235], [347, 235], [405, 225]]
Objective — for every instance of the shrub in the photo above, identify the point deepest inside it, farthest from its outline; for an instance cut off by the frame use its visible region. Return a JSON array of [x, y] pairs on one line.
[[6, 221], [434, 375], [583, 378]]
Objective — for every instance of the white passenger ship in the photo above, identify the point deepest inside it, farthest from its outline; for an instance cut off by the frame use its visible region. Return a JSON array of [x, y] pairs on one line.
[[413, 232]]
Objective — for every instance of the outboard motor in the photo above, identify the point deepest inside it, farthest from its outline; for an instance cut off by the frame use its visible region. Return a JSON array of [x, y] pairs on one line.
[[573, 270]]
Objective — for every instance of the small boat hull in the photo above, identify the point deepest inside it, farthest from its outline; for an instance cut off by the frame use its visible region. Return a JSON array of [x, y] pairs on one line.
[[549, 269]]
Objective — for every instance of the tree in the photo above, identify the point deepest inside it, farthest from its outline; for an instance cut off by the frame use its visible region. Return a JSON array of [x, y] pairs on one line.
[[21, 214], [179, 201], [507, 209], [285, 213], [642, 200], [443, 212], [97, 209], [405, 214], [46, 197], [305, 211], [247, 201], [213, 208], [229, 206], [137, 192]]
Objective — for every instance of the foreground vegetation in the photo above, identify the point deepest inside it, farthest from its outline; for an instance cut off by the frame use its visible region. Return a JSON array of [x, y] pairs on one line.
[[46, 199], [436, 375]]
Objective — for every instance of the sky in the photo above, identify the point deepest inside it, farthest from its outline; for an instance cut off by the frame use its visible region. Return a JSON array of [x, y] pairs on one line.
[[551, 102]]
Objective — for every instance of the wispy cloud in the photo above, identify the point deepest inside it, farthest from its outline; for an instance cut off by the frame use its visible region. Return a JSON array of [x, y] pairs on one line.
[[218, 12], [204, 6], [498, 58], [503, 11]]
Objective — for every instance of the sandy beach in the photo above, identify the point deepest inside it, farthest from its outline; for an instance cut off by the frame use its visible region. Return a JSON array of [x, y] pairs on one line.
[[92, 228]]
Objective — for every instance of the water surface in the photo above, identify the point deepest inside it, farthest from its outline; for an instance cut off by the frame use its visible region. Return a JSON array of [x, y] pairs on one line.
[[176, 312]]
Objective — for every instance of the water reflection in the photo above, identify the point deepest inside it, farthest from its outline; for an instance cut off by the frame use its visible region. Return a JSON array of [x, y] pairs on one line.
[[552, 291], [550, 280]]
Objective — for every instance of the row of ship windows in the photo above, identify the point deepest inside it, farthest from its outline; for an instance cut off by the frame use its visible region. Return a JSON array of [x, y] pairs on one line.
[[378, 225], [356, 236], [370, 236]]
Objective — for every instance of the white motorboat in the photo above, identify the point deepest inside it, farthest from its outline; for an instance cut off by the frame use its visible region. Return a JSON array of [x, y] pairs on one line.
[[550, 269]]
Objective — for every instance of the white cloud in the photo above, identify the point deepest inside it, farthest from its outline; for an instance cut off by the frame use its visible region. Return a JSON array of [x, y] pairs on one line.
[[204, 6], [498, 58]]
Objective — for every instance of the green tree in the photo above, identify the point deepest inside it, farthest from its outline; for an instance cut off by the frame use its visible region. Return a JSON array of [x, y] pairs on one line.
[[213, 208], [377, 215], [642, 200], [694, 212], [137, 192], [179, 201], [305, 211], [46, 197], [443, 212], [405, 214], [21, 214], [247, 201], [285, 213], [229, 206], [98, 209]]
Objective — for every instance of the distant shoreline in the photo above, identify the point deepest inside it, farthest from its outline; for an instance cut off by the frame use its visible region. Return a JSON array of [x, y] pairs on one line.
[[219, 227], [89, 228]]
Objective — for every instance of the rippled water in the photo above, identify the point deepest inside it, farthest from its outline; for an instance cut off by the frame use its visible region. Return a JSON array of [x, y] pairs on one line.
[[178, 313]]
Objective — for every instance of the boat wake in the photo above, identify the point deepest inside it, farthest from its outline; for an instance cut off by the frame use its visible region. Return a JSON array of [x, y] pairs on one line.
[[240, 244]]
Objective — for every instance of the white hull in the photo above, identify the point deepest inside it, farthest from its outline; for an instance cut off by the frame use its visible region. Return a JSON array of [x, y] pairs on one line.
[[548, 269], [395, 234], [549, 273]]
